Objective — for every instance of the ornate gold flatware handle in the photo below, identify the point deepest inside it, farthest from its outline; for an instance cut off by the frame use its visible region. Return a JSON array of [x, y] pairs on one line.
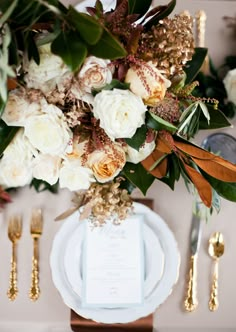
[[213, 302], [13, 289], [191, 301], [34, 289]]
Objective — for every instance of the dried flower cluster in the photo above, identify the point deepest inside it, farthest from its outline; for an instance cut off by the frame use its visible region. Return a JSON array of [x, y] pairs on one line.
[[104, 202], [170, 44]]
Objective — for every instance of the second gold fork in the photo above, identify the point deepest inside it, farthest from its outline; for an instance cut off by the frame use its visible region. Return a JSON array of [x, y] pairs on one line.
[[36, 231], [14, 234]]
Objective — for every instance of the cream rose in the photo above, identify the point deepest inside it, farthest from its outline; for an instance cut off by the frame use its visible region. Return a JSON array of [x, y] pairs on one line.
[[95, 73], [18, 108], [48, 132], [16, 163], [74, 176], [147, 82], [50, 73], [106, 164], [135, 156], [230, 85], [120, 112], [46, 168]]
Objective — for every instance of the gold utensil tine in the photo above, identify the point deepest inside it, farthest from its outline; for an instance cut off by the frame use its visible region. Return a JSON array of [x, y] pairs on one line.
[[14, 234], [36, 228]]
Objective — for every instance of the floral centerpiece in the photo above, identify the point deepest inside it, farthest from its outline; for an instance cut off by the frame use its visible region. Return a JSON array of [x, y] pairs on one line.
[[102, 102]]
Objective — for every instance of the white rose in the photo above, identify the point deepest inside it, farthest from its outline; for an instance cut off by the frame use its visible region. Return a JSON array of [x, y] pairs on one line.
[[120, 112], [135, 156], [16, 163], [147, 82], [106, 164], [18, 108], [74, 176], [48, 132], [230, 85], [95, 73], [50, 73], [46, 168]]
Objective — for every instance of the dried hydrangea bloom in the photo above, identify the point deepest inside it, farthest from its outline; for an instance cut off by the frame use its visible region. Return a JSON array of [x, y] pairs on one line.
[[170, 44]]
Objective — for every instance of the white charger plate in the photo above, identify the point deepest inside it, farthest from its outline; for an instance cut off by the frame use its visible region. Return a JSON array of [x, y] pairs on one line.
[[153, 259], [118, 315]]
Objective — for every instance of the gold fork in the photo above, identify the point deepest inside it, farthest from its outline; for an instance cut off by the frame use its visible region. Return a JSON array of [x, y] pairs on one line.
[[36, 228], [14, 234]]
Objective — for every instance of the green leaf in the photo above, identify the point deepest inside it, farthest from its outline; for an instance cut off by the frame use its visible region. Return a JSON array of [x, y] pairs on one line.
[[159, 16], [217, 120], [137, 175], [70, 49], [138, 139], [89, 29], [108, 47], [115, 84], [6, 135], [139, 6], [7, 13], [155, 122], [33, 50], [40, 185], [193, 66], [226, 190]]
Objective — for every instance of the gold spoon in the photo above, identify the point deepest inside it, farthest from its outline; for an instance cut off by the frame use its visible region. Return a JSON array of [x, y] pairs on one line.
[[216, 250]]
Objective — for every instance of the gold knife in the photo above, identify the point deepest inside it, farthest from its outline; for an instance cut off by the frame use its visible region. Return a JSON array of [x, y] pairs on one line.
[[191, 301]]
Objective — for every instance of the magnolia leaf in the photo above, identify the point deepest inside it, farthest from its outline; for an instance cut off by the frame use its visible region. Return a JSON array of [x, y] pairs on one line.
[[160, 15], [70, 49], [226, 190], [156, 164], [137, 175], [7, 13], [173, 171], [193, 66], [89, 29], [138, 139], [162, 145], [139, 6], [217, 120], [108, 47], [218, 168], [203, 187], [193, 150], [6, 135], [155, 122]]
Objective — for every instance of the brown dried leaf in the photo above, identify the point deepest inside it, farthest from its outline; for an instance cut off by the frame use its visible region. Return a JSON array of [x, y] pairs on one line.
[[162, 146], [160, 170], [194, 151], [201, 184], [11, 84], [218, 168]]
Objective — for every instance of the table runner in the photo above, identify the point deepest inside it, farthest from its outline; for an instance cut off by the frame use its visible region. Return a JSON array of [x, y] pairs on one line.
[[144, 324]]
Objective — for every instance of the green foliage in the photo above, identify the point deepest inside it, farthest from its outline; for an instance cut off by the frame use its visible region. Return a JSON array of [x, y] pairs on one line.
[[138, 176], [40, 185], [138, 139], [226, 190], [67, 45], [6, 135], [155, 122], [163, 11], [211, 86], [192, 67], [139, 6]]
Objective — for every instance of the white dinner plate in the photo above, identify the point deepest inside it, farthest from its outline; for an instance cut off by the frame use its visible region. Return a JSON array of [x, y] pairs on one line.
[[118, 315], [153, 259]]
